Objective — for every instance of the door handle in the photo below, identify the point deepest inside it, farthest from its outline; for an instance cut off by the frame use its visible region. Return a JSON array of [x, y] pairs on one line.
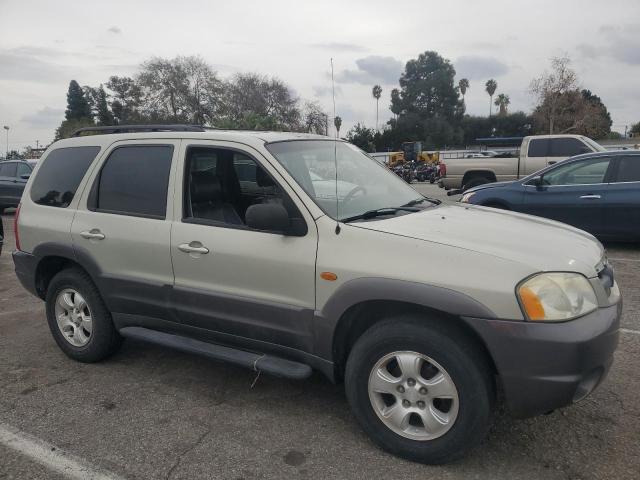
[[590, 197], [193, 247], [93, 234]]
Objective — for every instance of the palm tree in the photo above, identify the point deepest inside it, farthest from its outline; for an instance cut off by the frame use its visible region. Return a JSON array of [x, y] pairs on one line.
[[338, 123], [491, 87], [463, 85], [377, 92], [502, 101]]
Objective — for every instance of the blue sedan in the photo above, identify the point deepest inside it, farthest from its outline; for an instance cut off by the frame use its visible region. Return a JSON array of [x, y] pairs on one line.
[[597, 192]]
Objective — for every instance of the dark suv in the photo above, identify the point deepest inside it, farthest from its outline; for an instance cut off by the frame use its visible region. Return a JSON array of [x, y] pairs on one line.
[[13, 178]]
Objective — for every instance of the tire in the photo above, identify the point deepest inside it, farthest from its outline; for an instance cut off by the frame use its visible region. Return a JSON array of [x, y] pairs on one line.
[[432, 179], [474, 182], [456, 355], [102, 339]]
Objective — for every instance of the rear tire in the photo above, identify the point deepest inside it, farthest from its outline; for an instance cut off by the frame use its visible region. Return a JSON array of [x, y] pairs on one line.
[[438, 347], [474, 182], [78, 318]]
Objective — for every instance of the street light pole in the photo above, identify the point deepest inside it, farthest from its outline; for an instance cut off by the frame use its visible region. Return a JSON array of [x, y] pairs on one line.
[[7, 129]]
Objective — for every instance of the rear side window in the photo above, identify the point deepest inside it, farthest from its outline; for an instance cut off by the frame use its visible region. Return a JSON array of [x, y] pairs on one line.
[[8, 169], [60, 174], [629, 169], [567, 147], [538, 148], [134, 181]]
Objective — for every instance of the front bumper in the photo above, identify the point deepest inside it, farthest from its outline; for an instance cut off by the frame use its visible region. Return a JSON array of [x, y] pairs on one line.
[[544, 366]]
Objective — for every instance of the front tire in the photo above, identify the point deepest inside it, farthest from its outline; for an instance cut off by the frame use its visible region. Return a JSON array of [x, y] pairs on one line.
[[78, 318], [421, 391]]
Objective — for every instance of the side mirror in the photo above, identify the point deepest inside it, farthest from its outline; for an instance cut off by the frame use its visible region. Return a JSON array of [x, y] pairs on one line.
[[536, 181], [25, 176], [270, 217]]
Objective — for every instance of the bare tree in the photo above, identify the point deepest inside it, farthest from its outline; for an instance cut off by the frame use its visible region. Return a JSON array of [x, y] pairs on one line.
[[552, 90], [315, 119]]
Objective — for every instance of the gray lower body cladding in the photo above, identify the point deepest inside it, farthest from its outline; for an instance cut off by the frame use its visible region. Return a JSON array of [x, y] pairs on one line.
[[544, 366]]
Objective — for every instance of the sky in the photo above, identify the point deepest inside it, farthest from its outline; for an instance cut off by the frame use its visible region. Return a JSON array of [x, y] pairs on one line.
[[45, 44]]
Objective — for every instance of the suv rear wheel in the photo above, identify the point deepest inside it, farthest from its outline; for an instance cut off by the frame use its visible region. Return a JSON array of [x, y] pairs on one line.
[[418, 392], [78, 318]]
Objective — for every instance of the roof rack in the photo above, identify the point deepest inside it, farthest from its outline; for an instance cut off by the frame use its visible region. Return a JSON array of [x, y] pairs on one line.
[[104, 130]]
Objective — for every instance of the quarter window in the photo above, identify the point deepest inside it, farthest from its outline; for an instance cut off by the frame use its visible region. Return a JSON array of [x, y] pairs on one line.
[[578, 173], [134, 181], [629, 169], [60, 174]]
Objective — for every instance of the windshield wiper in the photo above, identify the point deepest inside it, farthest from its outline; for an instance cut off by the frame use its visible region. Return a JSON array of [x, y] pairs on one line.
[[380, 212], [423, 199]]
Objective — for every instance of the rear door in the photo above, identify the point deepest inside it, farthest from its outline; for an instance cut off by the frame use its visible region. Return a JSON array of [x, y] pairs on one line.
[[573, 193], [622, 204], [122, 226]]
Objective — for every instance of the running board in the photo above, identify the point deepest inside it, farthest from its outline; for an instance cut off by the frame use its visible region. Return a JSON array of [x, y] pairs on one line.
[[277, 366]]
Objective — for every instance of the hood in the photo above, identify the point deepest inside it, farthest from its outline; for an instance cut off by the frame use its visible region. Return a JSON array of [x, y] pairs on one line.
[[541, 244], [489, 185]]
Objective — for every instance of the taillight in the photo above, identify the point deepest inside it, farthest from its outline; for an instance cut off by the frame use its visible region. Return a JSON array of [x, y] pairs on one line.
[[15, 227], [443, 169]]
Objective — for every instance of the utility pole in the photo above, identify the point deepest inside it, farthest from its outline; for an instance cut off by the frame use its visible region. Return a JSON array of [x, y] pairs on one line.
[[7, 129], [37, 144], [625, 131]]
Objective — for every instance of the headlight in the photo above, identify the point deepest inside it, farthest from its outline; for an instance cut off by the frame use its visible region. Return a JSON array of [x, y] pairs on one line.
[[552, 297], [467, 196]]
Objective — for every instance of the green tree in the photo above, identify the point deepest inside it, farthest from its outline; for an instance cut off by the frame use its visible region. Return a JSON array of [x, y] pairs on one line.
[[376, 91], [126, 99], [463, 86], [362, 137], [635, 130], [491, 87], [502, 102], [77, 105], [67, 127], [104, 115], [337, 122]]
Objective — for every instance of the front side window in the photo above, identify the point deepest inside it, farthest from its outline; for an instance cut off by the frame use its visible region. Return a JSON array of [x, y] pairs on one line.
[[23, 169], [586, 172], [59, 176], [629, 169], [362, 183], [222, 192], [134, 181]]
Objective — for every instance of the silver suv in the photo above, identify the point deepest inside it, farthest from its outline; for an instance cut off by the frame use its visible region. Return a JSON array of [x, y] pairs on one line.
[[287, 253]]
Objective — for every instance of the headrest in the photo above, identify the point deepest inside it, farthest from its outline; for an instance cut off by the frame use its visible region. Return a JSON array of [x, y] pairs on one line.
[[263, 179], [205, 187]]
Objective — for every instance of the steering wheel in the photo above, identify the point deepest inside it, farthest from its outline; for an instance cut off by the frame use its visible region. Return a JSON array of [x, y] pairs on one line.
[[349, 196]]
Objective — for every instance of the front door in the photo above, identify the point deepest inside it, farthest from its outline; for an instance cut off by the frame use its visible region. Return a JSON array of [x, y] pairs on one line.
[[573, 193], [229, 278]]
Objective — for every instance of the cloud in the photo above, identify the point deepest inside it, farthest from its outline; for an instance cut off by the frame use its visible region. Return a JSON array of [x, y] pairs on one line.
[[115, 30], [620, 42], [25, 64], [340, 47], [326, 91], [478, 67], [44, 117], [373, 69]]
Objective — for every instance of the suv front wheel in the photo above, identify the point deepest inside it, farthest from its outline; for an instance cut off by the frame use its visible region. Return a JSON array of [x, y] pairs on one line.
[[78, 318], [421, 391]]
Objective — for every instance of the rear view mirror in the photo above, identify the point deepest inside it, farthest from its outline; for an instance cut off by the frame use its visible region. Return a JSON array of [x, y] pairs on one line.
[[270, 217]]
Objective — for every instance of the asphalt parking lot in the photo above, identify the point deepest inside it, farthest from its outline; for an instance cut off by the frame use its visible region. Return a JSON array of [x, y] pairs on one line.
[[150, 413]]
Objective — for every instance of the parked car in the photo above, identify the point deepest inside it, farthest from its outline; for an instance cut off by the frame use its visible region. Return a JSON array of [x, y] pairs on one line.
[[13, 177], [1, 235], [536, 152], [597, 192], [151, 235]]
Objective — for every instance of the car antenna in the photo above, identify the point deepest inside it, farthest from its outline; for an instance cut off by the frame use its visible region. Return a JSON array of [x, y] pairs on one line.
[[335, 148]]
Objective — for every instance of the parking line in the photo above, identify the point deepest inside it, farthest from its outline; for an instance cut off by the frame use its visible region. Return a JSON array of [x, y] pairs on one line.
[[628, 330], [625, 259], [51, 456]]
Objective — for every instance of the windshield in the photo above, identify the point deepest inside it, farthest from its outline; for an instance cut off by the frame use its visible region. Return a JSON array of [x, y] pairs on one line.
[[363, 184], [595, 145]]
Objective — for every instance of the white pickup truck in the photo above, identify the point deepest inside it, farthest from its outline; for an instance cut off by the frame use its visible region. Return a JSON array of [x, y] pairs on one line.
[[536, 152]]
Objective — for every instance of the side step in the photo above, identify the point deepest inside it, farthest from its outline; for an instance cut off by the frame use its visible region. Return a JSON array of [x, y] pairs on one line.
[[277, 366]]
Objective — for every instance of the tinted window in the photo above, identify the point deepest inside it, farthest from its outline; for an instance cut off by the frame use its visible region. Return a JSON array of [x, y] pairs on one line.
[[23, 169], [578, 173], [134, 181], [538, 148], [567, 147], [629, 169], [60, 174], [8, 169]]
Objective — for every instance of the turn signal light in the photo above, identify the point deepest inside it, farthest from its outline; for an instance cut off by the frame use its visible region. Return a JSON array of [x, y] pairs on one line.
[[532, 304], [329, 276]]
